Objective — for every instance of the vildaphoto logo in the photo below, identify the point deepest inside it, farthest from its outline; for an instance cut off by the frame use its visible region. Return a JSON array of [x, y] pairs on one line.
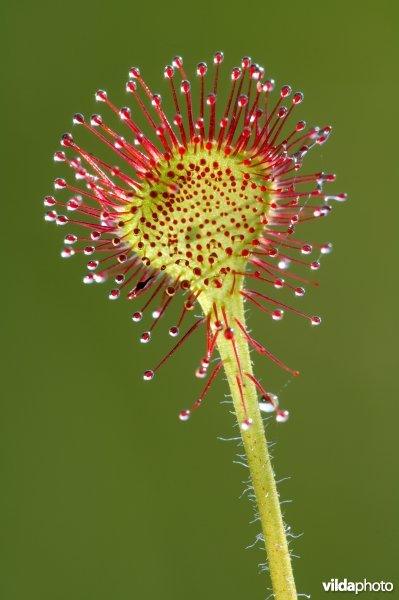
[[336, 585]]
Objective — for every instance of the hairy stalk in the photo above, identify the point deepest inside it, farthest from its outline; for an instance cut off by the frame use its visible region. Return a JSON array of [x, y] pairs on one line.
[[257, 453]]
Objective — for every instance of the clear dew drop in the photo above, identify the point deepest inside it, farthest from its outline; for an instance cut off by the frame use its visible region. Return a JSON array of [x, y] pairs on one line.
[[92, 265], [148, 375], [285, 91], [184, 415], [284, 263], [70, 239], [298, 98], [174, 331], [145, 337], [269, 403], [78, 119], [73, 204], [337, 198], [137, 316], [201, 69], [101, 95], [282, 416], [185, 86], [96, 120], [114, 294], [277, 314], [326, 248], [229, 333], [67, 252], [217, 325], [315, 266], [62, 220], [315, 320], [59, 184], [59, 156], [306, 249], [299, 291], [247, 424], [201, 372], [88, 278]]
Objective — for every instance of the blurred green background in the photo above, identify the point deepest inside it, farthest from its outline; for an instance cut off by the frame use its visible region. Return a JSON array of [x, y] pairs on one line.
[[104, 493]]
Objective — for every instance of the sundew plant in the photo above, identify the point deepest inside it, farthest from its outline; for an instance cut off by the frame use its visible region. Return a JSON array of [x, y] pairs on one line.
[[204, 209]]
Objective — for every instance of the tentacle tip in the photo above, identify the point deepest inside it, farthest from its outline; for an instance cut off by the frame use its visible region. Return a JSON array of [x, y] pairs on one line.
[[184, 415], [247, 424], [282, 416], [148, 375]]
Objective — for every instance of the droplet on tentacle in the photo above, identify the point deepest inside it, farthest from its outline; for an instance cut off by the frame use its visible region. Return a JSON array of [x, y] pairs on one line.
[[326, 248], [92, 265], [184, 415], [185, 86], [100, 277], [277, 314], [59, 156], [268, 403], [59, 184], [70, 239], [78, 119], [145, 337], [282, 416], [298, 98], [74, 203], [201, 373], [201, 69], [284, 263], [148, 375], [137, 316], [168, 72], [61, 220], [247, 424], [285, 91], [67, 252], [101, 95], [174, 331], [134, 72], [315, 320]]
